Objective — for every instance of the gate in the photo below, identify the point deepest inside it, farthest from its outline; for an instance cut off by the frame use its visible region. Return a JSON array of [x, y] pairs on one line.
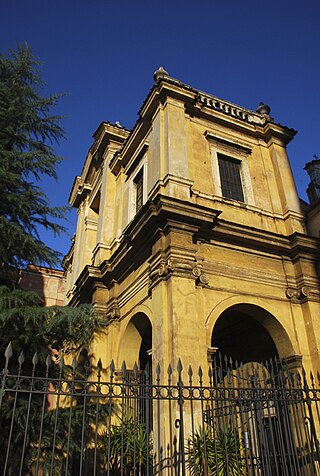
[[233, 419]]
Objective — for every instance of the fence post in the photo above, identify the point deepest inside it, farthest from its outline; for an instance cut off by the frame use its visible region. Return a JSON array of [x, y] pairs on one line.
[[8, 355], [180, 421], [311, 419]]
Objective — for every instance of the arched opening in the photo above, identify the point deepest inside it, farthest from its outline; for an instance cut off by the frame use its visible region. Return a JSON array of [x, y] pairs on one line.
[[143, 326], [136, 345], [249, 333], [137, 342], [251, 345]]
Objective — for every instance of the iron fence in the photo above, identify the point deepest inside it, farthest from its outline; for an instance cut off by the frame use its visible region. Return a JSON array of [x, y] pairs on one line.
[[252, 419]]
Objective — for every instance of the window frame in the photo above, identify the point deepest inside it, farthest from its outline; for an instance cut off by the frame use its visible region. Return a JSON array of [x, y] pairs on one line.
[[139, 189], [230, 177], [142, 168], [238, 153]]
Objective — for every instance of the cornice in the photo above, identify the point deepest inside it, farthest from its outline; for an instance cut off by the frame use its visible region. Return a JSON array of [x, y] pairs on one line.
[[294, 246], [80, 190], [166, 214], [89, 279], [159, 216], [226, 142], [106, 135], [198, 104]]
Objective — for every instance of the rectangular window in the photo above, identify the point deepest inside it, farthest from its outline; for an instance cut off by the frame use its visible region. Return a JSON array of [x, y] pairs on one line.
[[138, 181], [230, 177]]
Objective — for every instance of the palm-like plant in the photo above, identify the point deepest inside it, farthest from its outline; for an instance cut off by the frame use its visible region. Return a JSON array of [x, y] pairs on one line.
[[200, 453], [127, 444], [228, 457], [214, 454]]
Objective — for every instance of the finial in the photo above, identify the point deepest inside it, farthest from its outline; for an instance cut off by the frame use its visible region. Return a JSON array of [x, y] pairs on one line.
[[263, 109], [160, 73]]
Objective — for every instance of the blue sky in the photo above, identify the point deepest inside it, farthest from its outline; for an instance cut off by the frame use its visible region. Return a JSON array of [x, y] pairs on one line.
[[103, 54]]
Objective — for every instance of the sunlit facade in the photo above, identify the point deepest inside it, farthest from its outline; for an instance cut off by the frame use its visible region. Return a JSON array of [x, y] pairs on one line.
[[190, 236]]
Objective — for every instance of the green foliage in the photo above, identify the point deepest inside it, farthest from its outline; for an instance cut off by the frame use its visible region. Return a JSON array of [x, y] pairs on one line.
[[127, 445], [70, 441], [31, 327], [217, 454], [28, 131], [201, 453], [228, 453]]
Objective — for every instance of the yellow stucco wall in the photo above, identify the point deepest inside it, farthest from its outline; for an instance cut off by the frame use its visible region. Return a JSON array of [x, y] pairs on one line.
[[257, 252]]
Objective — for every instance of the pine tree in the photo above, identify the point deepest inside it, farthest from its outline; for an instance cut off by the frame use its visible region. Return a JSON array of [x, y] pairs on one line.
[[28, 130]]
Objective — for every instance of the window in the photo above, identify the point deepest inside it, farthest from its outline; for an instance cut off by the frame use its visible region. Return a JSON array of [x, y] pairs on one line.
[[138, 181], [230, 177]]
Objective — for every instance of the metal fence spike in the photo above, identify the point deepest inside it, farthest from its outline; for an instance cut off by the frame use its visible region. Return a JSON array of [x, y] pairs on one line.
[[74, 364], [169, 371], [247, 372], [158, 370], [238, 375], [135, 370], [123, 367], [21, 359], [147, 369], [190, 372], [8, 352], [87, 366], [48, 361], [35, 359], [112, 368], [264, 374], [311, 377], [99, 367], [291, 379], [179, 366], [298, 377], [229, 376]]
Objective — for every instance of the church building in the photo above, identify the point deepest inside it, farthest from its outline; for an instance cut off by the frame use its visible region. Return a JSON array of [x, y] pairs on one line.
[[191, 238]]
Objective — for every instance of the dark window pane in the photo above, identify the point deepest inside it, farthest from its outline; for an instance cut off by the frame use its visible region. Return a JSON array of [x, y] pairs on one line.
[[230, 177], [139, 189]]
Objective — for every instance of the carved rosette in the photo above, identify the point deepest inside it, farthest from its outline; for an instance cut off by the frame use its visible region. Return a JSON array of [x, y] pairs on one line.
[[201, 277], [165, 268]]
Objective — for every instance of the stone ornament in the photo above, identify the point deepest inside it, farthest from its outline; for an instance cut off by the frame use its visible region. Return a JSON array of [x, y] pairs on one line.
[[298, 294], [160, 73]]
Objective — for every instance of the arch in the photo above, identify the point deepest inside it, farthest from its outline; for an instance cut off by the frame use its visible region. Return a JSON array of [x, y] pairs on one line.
[[249, 333], [136, 341]]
